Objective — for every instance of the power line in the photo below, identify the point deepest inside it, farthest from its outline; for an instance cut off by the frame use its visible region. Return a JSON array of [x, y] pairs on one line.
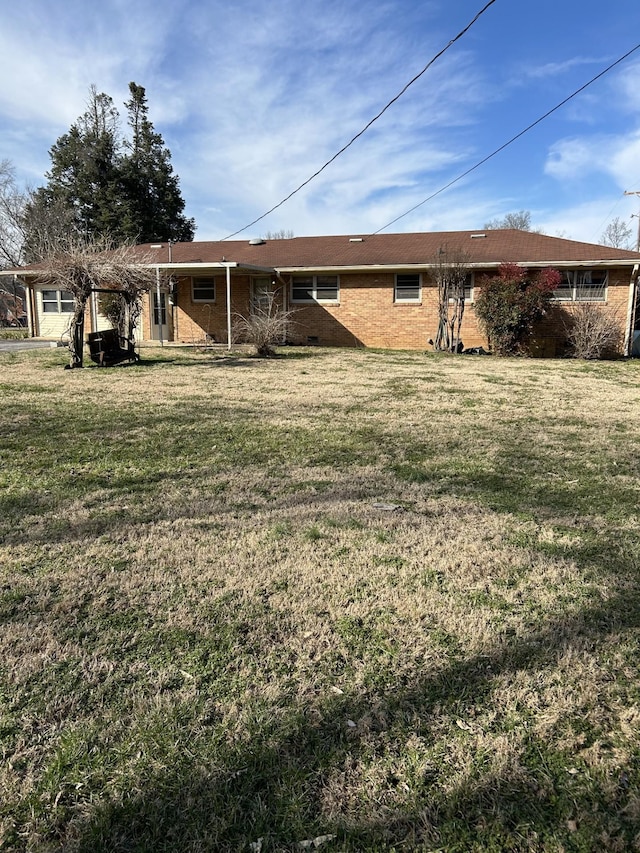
[[368, 125], [510, 141]]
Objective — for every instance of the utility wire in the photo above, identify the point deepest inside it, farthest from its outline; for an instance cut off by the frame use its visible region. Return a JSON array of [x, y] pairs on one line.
[[510, 141], [368, 125]]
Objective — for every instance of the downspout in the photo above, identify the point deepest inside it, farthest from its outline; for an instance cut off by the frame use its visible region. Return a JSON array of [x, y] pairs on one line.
[[228, 308], [631, 312]]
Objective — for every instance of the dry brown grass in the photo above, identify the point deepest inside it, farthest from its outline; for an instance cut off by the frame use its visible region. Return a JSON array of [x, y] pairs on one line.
[[214, 629]]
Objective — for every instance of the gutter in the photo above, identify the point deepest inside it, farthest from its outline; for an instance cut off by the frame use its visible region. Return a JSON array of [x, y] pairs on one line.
[[473, 265], [627, 348]]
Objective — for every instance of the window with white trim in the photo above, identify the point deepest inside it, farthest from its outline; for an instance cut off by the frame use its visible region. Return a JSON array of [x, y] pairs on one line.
[[468, 288], [315, 288], [408, 287], [57, 302], [203, 289], [582, 286]]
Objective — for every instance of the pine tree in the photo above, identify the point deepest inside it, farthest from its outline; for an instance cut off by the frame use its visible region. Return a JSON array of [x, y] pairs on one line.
[[110, 186], [151, 188], [85, 169]]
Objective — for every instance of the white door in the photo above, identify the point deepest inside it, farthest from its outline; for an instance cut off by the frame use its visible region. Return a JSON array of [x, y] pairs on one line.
[[159, 328], [263, 294]]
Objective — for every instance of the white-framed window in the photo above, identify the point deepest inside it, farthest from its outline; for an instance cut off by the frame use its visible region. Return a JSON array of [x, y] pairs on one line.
[[582, 286], [408, 287], [203, 289], [315, 288], [57, 302], [468, 288]]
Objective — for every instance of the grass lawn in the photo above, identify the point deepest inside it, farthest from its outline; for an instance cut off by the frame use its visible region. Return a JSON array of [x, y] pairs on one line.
[[337, 600]]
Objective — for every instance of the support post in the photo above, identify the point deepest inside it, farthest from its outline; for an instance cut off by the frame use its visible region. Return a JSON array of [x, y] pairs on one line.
[[158, 311], [229, 308]]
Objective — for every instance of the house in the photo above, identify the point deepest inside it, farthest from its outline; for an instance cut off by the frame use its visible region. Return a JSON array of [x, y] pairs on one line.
[[11, 310], [358, 290]]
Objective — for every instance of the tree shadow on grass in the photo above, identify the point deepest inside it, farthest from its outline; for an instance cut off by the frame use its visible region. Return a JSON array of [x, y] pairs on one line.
[[284, 778]]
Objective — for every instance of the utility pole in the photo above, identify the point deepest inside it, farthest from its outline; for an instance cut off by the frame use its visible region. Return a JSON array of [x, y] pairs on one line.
[[636, 216]]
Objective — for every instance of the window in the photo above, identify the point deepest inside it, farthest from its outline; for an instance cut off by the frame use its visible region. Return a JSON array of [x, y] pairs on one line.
[[468, 288], [407, 287], [582, 286], [57, 302], [203, 289], [315, 288]]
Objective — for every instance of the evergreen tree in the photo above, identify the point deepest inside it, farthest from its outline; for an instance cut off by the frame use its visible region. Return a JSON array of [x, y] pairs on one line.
[[155, 205], [109, 186], [85, 170]]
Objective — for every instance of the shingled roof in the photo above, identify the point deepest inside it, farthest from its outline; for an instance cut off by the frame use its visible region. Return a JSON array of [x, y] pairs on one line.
[[484, 248]]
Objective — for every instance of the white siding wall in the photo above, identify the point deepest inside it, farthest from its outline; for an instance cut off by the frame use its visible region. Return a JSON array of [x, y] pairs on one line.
[[50, 324], [55, 324]]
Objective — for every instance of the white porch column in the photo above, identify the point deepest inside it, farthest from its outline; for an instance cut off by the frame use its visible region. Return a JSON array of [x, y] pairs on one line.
[[228, 307], [159, 308]]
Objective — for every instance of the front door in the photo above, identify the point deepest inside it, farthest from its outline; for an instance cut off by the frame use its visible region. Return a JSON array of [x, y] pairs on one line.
[[159, 328], [263, 293]]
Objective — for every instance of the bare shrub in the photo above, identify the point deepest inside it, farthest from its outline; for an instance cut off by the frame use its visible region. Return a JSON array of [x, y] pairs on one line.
[[265, 326], [593, 331]]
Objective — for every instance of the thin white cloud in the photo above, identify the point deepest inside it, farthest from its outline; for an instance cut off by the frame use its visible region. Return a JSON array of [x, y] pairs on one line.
[[588, 220], [629, 91], [577, 158], [555, 69], [251, 99]]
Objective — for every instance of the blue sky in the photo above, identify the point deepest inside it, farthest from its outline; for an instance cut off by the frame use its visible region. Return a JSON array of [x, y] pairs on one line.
[[253, 97]]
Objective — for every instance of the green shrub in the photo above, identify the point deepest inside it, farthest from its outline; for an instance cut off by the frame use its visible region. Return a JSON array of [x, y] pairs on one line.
[[510, 303]]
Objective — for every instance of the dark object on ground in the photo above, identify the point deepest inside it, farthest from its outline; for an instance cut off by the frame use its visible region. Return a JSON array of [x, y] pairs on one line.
[[108, 347], [475, 351]]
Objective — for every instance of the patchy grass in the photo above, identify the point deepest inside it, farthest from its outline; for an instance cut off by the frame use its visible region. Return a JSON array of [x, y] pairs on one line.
[[351, 599]]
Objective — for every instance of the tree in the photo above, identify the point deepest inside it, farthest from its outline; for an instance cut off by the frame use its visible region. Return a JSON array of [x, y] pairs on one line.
[[87, 265], [48, 227], [451, 270], [617, 234], [12, 205], [106, 185], [85, 170], [155, 205], [509, 304], [282, 234], [520, 220]]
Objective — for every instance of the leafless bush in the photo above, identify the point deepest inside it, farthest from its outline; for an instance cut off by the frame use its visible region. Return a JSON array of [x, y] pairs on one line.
[[267, 325], [593, 331]]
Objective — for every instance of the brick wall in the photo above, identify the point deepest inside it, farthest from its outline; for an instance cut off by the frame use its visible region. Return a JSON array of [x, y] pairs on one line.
[[367, 316]]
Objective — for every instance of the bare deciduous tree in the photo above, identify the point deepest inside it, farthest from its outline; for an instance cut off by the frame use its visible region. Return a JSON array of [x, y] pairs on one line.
[[450, 270], [617, 234], [85, 266], [282, 234], [521, 220], [12, 205]]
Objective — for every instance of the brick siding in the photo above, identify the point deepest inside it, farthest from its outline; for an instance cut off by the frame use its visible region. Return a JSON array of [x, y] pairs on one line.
[[367, 315]]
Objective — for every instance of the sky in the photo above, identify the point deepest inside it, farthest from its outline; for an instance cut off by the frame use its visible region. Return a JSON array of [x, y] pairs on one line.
[[253, 97]]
